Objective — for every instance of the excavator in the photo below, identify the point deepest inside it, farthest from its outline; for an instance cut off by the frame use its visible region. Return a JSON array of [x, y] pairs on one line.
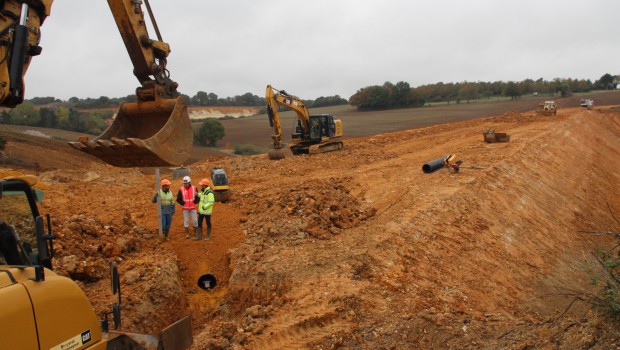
[[313, 133], [154, 131], [40, 309]]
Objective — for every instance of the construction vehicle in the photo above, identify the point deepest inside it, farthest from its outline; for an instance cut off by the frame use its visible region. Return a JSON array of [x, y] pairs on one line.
[[43, 310], [490, 136], [313, 133], [220, 185], [587, 103], [547, 108], [153, 131]]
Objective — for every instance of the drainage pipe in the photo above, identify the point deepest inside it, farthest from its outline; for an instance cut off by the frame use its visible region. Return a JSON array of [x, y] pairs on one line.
[[433, 165]]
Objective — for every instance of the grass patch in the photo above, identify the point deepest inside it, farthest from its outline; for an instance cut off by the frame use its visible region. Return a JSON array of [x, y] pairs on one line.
[[247, 150]]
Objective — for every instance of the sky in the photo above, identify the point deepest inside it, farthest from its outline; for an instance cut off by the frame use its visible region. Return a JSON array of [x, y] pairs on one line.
[[329, 47]]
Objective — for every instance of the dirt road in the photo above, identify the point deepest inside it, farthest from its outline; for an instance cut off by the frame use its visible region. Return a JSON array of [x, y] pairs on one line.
[[360, 249]]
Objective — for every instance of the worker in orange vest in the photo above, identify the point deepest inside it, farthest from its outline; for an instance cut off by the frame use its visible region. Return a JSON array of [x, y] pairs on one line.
[[188, 197]]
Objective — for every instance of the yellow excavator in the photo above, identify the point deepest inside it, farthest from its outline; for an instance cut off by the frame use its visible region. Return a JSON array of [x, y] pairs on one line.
[[151, 132], [313, 133], [43, 310]]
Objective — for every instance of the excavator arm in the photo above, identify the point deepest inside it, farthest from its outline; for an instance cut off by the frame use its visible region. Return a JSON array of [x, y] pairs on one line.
[[153, 131], [275, 98], [19, 42]]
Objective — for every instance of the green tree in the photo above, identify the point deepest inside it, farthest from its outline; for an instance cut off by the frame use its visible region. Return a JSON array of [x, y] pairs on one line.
[[62, 118], [25, 114], [209, 133], [468, 91], [200, 99], [512, 90], [605, 81], [48, 118], [5, 117]]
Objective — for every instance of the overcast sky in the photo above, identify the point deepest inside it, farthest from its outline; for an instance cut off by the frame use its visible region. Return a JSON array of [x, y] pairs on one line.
[[329, 47]]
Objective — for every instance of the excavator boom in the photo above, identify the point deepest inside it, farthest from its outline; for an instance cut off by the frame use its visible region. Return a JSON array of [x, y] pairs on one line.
[[153, 131]]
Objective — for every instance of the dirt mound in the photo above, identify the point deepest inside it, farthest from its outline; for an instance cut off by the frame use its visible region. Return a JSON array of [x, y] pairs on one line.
[[319, 209]]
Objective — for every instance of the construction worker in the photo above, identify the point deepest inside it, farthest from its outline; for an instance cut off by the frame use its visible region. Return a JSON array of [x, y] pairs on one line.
[[205, 207], [166, 201], [188, 197]]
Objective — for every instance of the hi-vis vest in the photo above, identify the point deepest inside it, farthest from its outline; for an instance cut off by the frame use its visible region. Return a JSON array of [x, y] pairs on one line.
[[206, 202], [166, 198], [188, 197]]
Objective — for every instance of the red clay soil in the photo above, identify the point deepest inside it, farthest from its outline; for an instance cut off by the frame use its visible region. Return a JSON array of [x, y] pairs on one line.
[[359, 249]]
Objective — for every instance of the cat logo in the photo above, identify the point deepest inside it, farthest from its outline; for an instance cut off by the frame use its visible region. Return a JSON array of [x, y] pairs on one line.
[[86, 337]]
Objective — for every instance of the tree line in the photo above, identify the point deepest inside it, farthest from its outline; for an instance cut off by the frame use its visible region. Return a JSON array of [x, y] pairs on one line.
[[200, 99], [401, 95], [60, 117]]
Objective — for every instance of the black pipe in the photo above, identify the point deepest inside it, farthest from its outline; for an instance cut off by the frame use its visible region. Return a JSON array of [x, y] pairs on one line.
[[434, 165]]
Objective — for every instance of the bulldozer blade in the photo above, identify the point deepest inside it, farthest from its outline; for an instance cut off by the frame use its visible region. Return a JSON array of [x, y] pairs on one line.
[[280, 153], [144, 134]]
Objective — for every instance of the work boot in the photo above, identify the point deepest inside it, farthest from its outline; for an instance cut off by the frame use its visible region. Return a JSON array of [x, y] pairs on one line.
[[197, 233], [187, 232], [166, 235], [208, 234]]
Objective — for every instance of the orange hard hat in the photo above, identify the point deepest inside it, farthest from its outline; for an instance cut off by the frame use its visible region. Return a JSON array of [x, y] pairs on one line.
[[205, 182], [165, 182]]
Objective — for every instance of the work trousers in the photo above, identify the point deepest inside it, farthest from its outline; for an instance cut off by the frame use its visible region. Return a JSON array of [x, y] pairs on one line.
[[166, 221], [187, 214], [206, 217]]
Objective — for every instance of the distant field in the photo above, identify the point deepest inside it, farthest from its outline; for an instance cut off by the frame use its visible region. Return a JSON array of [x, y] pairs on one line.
[[256, 130]]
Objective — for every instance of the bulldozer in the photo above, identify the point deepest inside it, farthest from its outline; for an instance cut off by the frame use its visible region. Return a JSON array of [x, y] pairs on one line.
[[547, 108], [313, 133], [151, 132], [43, 310]]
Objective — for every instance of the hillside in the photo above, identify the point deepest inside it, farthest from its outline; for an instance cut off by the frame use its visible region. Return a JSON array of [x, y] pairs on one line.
[[360, 249]]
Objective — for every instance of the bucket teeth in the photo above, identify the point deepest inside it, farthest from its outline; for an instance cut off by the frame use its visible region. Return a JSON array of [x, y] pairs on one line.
[[144, 134]]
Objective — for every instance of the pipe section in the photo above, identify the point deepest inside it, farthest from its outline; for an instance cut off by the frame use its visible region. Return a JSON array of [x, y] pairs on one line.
[[433, 165]]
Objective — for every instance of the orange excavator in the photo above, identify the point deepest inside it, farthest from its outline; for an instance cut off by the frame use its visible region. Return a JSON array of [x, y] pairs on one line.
[[313, 133], [151, 132]]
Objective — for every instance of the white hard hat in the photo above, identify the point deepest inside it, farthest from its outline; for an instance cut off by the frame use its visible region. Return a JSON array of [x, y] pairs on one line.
[[186, 179]]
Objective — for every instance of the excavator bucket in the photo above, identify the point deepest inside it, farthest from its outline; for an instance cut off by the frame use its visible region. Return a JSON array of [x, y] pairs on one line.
[[144, 134], [280, 153]]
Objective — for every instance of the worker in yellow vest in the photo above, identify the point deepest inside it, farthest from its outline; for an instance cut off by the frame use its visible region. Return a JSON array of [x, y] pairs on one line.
[[205, 206], [166, 201]]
